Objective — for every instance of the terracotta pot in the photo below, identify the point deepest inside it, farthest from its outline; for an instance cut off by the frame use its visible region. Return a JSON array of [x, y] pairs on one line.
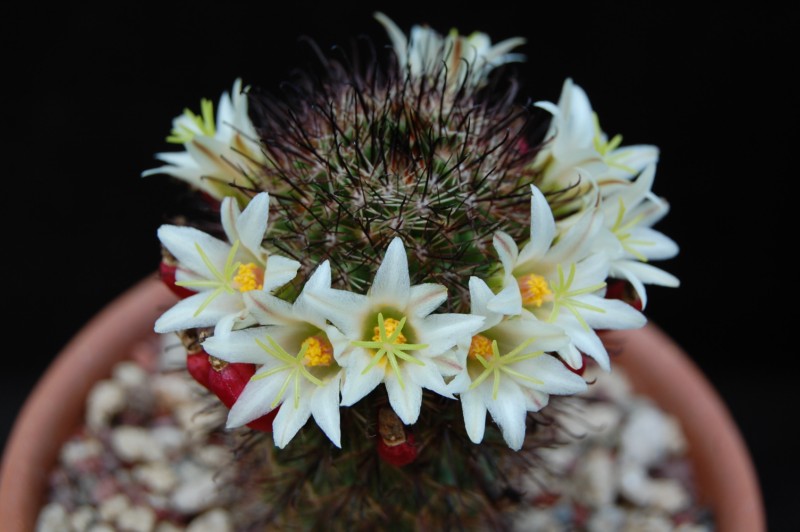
[[725, 474]]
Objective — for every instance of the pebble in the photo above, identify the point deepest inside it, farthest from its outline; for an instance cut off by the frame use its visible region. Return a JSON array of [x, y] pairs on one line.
[[158, 477], [595, 478], [216, 520], [106, 400], [135, 444], [166, 526], [136, 519], [102, 527], [75, 453], [196, 493], [130, 375], [51, 518], [112, 508], [649, 435], [82, 518]]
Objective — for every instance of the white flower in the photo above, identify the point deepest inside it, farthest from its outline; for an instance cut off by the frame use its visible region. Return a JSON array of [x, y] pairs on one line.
[[468, 60], [558, 281], [298, 371], [217, 154], [388, 336], [508, 371], [222, 271], [578, 147], [628, 239]]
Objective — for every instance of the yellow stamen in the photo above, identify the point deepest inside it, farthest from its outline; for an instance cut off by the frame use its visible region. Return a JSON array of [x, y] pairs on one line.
[[249, 277], [535, 290], [480, 346], [389, 326], [319, 351]]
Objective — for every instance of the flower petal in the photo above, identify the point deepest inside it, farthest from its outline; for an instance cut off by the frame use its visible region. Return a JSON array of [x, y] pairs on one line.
[[479, 297], [507, 410], [279, 271], [392, 285], [251, 225], [182, 315], [239, 346], [325, 409], [183, 242], [443, 331], [425, 298], [474, 411], [406, 400], [255, 400], [291, 417], [357, 383], [543, 228]]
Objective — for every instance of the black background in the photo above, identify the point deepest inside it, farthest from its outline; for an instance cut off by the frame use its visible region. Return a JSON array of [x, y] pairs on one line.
[[90, 95]]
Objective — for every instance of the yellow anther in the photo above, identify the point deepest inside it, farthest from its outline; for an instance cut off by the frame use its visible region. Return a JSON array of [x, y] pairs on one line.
[[319, 351], [249, 277], [389, 326], [534, 289], [480, 346]]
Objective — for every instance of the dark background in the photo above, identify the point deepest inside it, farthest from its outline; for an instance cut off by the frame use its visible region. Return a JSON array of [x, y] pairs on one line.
[[91, 95]]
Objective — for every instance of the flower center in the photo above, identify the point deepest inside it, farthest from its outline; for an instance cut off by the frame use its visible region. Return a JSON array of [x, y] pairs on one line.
[[389, 327], [480, 346], [534, 289], [319, 351], [249, 277]]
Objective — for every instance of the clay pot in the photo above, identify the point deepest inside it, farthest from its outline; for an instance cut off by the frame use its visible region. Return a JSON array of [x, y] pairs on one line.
[[726, 478]]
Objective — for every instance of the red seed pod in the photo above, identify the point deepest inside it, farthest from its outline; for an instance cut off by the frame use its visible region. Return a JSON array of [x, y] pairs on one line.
[[223, 379], [622, 290], [581, 370], [166, 271], [227, 380], [395, 444]]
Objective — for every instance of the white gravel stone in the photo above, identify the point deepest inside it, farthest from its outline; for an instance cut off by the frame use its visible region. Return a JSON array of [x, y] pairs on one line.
[[691, 527], [51, 518], [197, 493], [213, 456], [112, 507], [106, 399], [136, 519], [198, 420], [168, 527], [644, 438], [82, 517], [173, 389], [216, 520], [157, 477], [136, 444], [662, 493], [538, 520], [643, 522], [76, 451], [606, 519], [171, 439], [101, 527], [604, 420], [595, 478], [131, 375]]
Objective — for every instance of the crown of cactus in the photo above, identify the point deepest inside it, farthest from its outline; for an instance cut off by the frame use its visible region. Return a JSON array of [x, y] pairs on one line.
[[403, 247]]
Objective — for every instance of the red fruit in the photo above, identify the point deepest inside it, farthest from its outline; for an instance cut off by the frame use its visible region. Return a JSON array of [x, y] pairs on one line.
[[400, 454], [622, 290], [167, 271], [395, 444], [581, 370], [198, 366], [226, 381]]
